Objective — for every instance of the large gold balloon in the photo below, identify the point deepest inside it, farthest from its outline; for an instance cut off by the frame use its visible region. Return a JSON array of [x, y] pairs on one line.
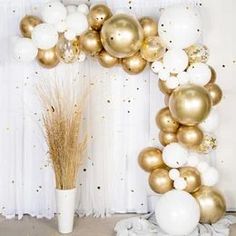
[[149, 25], [165, 121], [152, 49], [48, 58], [27, 25], [197, 53], [190, 104], [91, 43], [98, 15], [160, 181], [167, 138], [107, 60], [163, 87], [122, 35], [190, 136], [150, 159], [208, 144], [215, 93], [134, 64], [192, 178], [68, 50], [212, 204]]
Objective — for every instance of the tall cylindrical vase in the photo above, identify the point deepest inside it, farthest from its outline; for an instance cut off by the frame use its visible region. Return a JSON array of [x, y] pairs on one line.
[[65, 200]]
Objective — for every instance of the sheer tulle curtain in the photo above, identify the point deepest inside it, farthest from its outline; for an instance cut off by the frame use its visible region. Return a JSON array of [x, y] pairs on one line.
[[119, 122]]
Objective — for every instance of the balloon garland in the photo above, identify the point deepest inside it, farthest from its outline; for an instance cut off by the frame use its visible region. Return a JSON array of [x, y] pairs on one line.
[[68, 33]]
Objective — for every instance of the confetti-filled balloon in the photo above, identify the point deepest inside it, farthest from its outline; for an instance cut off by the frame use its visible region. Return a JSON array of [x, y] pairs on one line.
[[27, 25], [208, 144], [197, 53]]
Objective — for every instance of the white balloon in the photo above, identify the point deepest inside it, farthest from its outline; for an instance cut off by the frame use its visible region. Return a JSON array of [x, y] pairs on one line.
[[24, 50], [61, 26], [175, 155], [172, 82], [53, 12], [174, 174], [71, 9], [175, 60], [164, 74], [211, 123], [183, 78], [156, 66], [83, 8], [199, 73], [193, 159], [82, 56], [77, 22], [177, 212], [44, 36], [70, 35], [210, 177], [180, 183], [203, 167], [180, 26]]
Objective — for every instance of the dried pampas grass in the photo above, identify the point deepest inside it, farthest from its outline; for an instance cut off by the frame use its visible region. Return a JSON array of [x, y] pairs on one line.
[[62, 117]]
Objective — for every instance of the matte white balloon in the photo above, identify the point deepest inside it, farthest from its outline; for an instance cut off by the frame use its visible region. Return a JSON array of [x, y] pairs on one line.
[[174, 174], [180, 26], [163, 74], [83, 8], [61, 26], [175, 60], [156, 66], [70, 35], [24, 50], [203, 167], [53, 12], [211, 123], [183, 78], [172, 82], [193, 160], [210, 177], [45, 36], [77, 22], [180, 183], [175, 155], [177, 213], [71, 9], [199, 73]]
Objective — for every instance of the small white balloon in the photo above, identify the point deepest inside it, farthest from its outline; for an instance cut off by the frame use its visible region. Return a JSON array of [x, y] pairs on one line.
[[183, 78], [211, 123], [71, 9], [172, 82], [203, 167], [70, 35], [174, 174], [193, 160], [164, 74], [77, 22], [210, 177], [83, 8], [61, 26], [177, 213], [175, 155], [45, 36], [24, 50], [175, 60], [82, 56], [156, 66], [199, 73], [53, 12], [180, 183]]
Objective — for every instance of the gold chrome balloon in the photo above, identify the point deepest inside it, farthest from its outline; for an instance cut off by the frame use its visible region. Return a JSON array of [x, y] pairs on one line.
[[190, 104], [107, 60], [163, 87], [122, 35], [197, 53], [149, 25], [167, 138], [213, 75], [98, 15], [48, 58], [68, 50], [160, 181], [190, 136], [91, 43], [165, 121], [208, 144], [215, 93], [27, 25], [134, 64], [212, 204], [150, 159], [192, 177], [152, 49]]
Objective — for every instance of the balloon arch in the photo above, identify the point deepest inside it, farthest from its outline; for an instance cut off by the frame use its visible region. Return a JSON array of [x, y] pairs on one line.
[[68, 33]]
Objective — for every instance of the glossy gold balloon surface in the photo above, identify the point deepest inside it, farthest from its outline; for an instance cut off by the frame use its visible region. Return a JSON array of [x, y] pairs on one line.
[[107, 60], [152, 49], [192, 178], [197, 53], [48, 58], [150, 159], [167, 138], [208, 144], [91, 43], [163, 87], [165, 121], [215, 93], [68, 50], [212, 204], [213, 75], [190, 136], [149, 26], [190, 104], [122, 35], [160, 181], [27, 25], [134, 64], [98, 15]]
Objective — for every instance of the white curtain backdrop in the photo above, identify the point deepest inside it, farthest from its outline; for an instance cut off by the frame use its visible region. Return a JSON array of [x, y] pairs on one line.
[[119, 122]]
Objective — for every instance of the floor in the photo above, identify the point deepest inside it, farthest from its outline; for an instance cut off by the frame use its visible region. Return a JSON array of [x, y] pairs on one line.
[[83, 227]]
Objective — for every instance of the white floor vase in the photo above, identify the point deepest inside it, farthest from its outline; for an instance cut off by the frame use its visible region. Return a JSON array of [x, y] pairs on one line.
[[65, 200]]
